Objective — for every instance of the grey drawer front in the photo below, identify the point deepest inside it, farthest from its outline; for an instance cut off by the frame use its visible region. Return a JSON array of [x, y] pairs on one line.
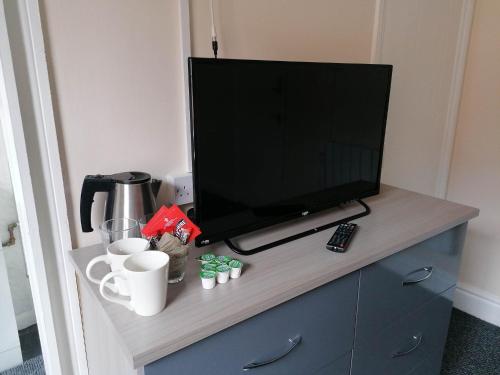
[[383, 297], [324, 318], [341, 366], [426, 368], [430, 322]]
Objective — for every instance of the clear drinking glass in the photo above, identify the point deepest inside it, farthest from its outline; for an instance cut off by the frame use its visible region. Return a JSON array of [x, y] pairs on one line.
[[117, 229], [178, 261], [144, 220]]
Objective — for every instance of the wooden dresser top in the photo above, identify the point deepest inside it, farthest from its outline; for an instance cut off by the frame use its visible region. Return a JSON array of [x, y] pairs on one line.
[[399, 219]]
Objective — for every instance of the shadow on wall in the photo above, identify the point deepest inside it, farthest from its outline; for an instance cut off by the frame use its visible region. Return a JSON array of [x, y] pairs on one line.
[[57, 119]]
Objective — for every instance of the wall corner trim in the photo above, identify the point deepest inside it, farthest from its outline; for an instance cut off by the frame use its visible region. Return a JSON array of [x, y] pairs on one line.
[[458, 72], [185, 53], [378, 32]]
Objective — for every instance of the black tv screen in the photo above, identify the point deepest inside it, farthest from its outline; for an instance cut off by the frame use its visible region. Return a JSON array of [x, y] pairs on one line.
[[274, 140]]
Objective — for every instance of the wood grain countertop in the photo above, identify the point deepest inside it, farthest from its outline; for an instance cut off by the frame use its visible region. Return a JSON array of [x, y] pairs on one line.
[[399, 219]]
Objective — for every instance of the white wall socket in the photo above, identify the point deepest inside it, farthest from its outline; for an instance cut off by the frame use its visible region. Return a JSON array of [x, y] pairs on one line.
[[180, 188]]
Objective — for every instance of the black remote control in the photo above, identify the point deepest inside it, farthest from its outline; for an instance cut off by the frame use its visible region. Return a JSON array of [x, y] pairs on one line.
[[341, 238]]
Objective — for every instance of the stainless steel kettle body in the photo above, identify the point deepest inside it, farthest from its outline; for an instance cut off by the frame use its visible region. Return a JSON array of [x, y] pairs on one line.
[[130, 195]]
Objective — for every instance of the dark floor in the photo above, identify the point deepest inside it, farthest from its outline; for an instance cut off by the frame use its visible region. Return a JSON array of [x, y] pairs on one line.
[[472, 348], [30, 342]]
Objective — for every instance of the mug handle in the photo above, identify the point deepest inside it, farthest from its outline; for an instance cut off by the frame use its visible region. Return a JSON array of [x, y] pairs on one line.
[[110, 297], [92, 263]]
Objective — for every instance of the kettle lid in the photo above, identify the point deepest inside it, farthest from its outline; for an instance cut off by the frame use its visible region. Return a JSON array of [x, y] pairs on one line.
[[129, 178]]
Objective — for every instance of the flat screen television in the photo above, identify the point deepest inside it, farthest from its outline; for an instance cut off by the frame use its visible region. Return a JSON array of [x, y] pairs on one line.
[[276, 140]]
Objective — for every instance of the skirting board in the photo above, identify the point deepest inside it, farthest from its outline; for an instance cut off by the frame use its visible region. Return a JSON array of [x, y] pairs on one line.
[[10, 358], [478, 303], [25, 319]]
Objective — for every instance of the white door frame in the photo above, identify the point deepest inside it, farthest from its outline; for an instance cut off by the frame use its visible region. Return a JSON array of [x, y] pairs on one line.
[[10, 118], [12, 128]]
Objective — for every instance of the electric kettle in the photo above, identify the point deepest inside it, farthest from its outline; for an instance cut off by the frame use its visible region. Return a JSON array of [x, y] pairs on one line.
[[131, 195]]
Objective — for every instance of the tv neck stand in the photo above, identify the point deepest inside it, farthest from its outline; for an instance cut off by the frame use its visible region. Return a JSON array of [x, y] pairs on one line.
[[294, 237]]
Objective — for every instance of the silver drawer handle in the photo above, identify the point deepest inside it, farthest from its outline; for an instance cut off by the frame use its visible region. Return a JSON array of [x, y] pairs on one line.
[[417, 341], [292, 343], [410, 281]]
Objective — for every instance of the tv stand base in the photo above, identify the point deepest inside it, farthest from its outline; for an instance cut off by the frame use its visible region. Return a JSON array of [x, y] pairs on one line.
[[282, 241]]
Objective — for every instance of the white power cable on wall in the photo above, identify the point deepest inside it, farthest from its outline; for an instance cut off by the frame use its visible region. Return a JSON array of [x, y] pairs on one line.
[[215, 45]]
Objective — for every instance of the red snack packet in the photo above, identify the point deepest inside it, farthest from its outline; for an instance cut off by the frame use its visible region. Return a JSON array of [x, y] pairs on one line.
[[154, 226], [168, 220], [177, 220]]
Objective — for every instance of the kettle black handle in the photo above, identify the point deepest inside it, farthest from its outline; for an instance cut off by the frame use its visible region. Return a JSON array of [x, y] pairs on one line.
[[91, 185]]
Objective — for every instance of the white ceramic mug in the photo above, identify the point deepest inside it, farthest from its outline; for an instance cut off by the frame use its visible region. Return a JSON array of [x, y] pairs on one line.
[[146, 274], [116, 253]]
